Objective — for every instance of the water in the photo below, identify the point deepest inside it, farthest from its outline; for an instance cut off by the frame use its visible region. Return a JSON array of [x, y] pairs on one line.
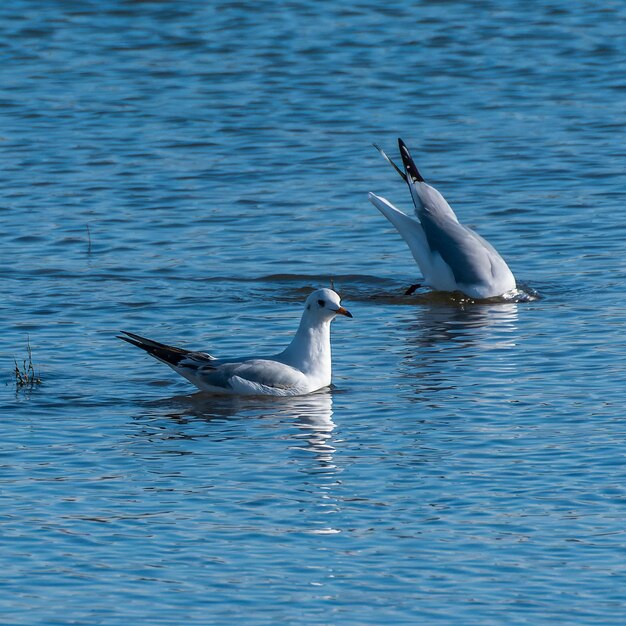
[[189, 171]]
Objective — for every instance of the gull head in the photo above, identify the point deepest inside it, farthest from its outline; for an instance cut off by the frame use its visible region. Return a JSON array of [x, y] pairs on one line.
[[323, 305]]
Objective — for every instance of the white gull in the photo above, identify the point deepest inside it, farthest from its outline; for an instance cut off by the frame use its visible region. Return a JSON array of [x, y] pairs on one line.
[[303, 367], [451, 256]]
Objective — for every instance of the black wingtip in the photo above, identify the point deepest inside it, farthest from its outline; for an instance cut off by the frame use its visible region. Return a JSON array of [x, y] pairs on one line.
[[161, 351], [409, 166], [132, 336], [132, 342]]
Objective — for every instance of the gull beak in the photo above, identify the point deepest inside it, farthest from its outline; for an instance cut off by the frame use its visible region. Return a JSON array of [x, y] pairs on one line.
[[342, 311]]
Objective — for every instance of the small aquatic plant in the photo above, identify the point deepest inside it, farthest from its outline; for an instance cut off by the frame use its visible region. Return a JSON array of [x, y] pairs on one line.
[[26, 376]]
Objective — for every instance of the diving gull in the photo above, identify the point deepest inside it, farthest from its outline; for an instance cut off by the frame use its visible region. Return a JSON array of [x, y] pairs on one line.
[[451, 256]]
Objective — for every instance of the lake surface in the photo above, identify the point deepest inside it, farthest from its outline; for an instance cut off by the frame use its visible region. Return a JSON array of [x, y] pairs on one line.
[[190, 171]]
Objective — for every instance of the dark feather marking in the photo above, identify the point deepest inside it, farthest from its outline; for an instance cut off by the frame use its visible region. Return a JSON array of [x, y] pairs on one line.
[[168, 354], [411, 170], [412, 289], [164, 354]]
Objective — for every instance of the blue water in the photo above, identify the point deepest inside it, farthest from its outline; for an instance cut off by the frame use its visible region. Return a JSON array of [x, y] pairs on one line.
[[190, 171]]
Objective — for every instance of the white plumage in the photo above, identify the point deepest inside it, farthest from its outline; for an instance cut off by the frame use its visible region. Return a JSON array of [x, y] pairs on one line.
[[451, 256], [303, 367]]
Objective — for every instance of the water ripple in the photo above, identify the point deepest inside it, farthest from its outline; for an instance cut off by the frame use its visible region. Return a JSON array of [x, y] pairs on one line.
[[190, 171]]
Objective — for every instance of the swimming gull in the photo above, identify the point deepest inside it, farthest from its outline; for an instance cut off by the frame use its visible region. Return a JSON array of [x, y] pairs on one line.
[[303, 367], [451, 256]]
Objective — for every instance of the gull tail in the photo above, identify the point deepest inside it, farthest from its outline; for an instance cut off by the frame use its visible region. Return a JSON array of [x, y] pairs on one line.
[[410, 230], [404, 224], [168, 354], [409, 166]]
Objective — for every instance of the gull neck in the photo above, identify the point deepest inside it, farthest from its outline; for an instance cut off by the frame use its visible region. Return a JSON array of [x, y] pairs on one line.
[[310, 350]]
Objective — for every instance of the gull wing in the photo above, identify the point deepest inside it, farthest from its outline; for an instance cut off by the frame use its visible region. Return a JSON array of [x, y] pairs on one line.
[[171, 355], [471, 259], [425, 198], [250, 376]]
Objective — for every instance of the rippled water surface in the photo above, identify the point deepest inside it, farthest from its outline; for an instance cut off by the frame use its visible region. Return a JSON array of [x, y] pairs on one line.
[[190, 171]]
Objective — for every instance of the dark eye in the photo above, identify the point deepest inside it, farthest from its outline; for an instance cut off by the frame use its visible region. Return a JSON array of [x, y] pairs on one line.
[[321, 302]]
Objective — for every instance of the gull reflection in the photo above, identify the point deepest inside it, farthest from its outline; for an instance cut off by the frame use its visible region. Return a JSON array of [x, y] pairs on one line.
[[299, 431], [441, 337], [311, 415], [313, 418], [465, 326], [313, 410]]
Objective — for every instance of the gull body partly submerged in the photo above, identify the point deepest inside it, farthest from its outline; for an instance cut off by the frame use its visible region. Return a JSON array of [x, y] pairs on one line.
[[303, 367], [451, 256]]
